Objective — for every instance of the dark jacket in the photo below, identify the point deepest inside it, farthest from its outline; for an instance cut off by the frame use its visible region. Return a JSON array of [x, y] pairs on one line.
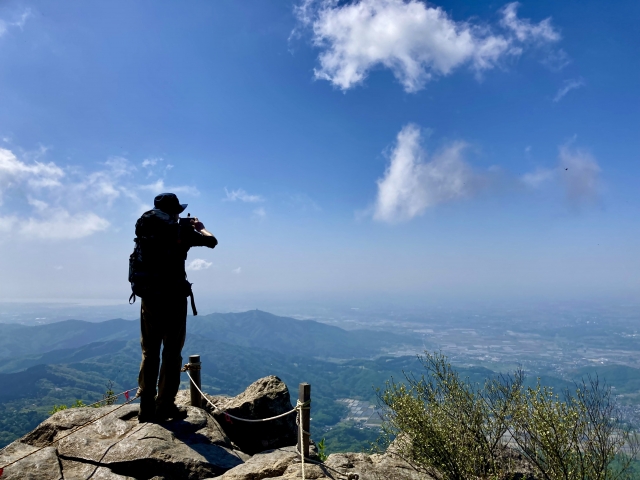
[[163, 245]]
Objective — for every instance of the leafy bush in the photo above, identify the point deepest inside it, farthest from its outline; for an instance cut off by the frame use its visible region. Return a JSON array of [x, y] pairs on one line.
[[452, 429], [57, 408], [108, 398], [322, 450]]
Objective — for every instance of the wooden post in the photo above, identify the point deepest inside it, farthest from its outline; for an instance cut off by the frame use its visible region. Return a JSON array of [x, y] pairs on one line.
[[194, 370], [304, 395]]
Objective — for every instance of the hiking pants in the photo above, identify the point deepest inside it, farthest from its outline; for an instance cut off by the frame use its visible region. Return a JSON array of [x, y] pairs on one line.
[[163, 321]]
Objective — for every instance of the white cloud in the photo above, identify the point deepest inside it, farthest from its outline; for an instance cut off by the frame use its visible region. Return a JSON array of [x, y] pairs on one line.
[[198, 264], [237, 271], [14, 172], [567, 87], [159, 186], [150, 162], [538, 177], [19, 23], [415, 41], [240, 194], [55, 224], [66, 203], [105, 185], [411, 183], [22, 20], [524, 30], [260, 213], [39, 205], [8, 223]]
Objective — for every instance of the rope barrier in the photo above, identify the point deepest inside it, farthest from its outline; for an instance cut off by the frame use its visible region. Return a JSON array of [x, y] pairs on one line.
[[301, 437], [218, 410], [68, 434], [298, 408], [125, 393]]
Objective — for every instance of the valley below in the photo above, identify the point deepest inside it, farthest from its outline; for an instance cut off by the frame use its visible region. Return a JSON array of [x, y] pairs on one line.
[[345, 362]]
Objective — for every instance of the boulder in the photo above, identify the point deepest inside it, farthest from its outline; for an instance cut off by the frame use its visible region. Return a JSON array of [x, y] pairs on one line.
[[39, 466], [117, 447], [271, 463], [373, 467], [348, 465], [264, 398]]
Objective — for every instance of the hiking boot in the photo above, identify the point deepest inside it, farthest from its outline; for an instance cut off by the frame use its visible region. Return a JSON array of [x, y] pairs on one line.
[[147, 412], [171, 411]]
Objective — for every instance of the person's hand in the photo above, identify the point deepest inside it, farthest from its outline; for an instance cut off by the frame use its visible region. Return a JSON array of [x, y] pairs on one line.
[[197, 224]]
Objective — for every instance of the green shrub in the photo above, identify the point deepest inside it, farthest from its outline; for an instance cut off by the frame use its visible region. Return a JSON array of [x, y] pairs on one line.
[[452, 429], [57, 408], [322, 450]]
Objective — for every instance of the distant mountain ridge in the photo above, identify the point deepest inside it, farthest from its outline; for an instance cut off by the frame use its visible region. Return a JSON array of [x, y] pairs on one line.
[[252, 329], [258, 329], [20, 340]]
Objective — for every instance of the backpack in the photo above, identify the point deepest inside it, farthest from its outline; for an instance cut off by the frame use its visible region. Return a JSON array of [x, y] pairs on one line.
[[157, 241]]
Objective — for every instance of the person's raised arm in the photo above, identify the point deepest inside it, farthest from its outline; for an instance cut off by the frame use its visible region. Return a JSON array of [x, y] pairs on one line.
[[198, 226]]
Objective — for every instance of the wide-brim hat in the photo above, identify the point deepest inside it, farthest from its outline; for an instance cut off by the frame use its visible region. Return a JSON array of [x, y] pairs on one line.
[[169, 203]]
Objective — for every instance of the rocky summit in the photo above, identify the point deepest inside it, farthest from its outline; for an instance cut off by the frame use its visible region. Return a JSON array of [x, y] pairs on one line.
[[202, 446]]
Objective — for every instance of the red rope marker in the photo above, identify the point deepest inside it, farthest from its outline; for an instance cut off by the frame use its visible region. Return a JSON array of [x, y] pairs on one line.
[[1, 471], [126, 395], [227, 417]]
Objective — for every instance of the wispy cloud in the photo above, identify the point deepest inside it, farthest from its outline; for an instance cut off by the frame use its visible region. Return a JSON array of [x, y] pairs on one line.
[[556, 60], [260, 213], [160, 187], [567, 87], [303, 203], [241, 195], [580, 175], [414, 40], [412, 182], [577, 172], [19, 22], [14, 172], [55, 224], [150, 162], [198, 264], [237, 271], [22, 19], [67, 203], [524, 30], [538, 177]]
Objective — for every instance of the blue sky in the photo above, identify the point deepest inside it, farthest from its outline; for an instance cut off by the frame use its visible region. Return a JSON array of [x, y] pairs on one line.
[[337, 149]]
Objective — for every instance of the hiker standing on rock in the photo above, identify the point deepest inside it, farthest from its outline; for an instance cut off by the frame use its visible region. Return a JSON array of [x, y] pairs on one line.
[[157, 275]]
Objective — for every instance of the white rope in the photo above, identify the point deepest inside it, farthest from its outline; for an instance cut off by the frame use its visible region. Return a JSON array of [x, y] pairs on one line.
[[218, 410], [298, 408], [110, 397]]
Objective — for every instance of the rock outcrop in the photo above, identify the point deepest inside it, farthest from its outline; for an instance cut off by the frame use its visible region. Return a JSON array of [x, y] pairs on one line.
[[202, 446], [265, 398]]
